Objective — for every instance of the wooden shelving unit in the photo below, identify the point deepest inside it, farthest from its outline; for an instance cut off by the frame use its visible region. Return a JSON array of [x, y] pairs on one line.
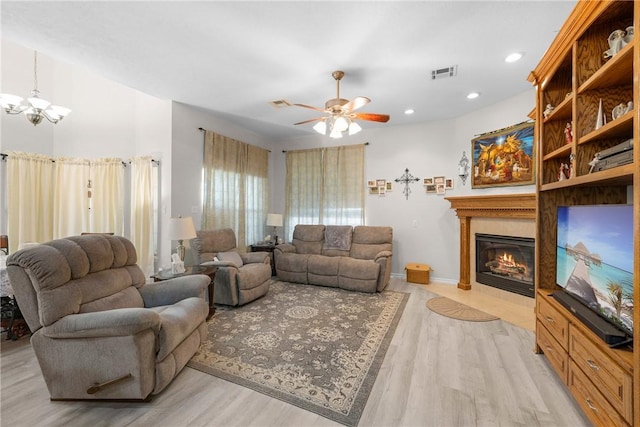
[[573, 76]]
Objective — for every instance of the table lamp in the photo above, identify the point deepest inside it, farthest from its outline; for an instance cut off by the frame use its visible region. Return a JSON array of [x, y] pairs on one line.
[[181, 229], [274, 220]]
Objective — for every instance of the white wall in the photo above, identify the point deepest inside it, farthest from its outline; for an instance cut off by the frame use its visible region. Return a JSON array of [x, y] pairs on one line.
[[426, 230]]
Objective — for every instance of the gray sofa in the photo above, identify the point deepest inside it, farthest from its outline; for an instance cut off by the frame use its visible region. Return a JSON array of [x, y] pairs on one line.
[[100, 332], [338, 256]]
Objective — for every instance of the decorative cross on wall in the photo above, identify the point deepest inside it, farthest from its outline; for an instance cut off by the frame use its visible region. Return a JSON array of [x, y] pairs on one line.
[[407, 179]]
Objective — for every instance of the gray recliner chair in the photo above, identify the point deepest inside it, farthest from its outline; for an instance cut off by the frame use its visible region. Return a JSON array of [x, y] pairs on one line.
[[100, 332], [241, 277]]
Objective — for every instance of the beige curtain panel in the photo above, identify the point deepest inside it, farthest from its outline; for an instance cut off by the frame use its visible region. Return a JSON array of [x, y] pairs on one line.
[[70, 197], [142, 220], [107, 196], [325, 186], [236, 187], [30, 186]]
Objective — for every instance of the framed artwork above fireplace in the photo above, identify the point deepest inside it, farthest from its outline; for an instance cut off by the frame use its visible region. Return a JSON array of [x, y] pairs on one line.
[[504, 157]]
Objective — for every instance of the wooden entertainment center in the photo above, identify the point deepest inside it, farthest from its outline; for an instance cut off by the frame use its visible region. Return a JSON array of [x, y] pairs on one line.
[[572, 77]]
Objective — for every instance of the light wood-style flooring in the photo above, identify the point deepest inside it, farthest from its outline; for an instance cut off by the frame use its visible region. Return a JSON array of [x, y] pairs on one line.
[[437, 372]]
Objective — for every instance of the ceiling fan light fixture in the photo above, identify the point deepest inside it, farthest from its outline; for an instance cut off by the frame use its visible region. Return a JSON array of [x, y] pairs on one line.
[[341, 124], [335, 133], [320, 127], [354, 128]]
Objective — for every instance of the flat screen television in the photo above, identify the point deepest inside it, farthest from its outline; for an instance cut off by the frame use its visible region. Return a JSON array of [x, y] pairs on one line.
[[594, 261]]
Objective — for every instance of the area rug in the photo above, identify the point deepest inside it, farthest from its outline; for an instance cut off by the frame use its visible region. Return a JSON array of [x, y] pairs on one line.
[[317, 348], [455, 310]]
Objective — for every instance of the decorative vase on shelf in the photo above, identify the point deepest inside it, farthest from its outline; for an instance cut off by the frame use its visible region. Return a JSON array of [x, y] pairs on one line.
[[600, 117]]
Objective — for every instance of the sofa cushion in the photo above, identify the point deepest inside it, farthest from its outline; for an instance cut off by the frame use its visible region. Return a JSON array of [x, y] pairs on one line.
[[308, 239], [323, 270], [292, 267], [232, 257], [253, 275], [358, 275], [368, 241]]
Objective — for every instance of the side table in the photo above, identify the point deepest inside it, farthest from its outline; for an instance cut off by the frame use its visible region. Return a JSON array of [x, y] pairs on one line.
[[207, 270], [265, 247]]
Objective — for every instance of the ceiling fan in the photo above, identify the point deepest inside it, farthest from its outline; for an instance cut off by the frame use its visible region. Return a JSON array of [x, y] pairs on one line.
[[341, 113]]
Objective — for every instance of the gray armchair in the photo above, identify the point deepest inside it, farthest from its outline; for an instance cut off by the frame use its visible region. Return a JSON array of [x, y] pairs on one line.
[[241, 277], [100, 332]]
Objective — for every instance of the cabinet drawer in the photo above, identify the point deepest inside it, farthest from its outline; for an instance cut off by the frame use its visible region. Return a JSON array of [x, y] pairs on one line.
[[615, 384], [557, 356], [594, 405], [554, 321]]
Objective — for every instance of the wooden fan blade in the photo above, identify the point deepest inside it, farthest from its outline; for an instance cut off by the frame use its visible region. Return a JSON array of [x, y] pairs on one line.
[[372, 117], [355, 103], [309, 107], [310, 120]]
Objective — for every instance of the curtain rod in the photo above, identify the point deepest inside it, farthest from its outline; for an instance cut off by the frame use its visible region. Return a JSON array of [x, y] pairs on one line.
[[365, 143], [206, 130], [155, 162]]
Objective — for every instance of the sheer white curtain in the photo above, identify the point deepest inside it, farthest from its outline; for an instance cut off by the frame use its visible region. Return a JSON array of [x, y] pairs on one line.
[[107, 196], [71, 190], [29, 198], [236, 187], [325, 186], [142, 221]]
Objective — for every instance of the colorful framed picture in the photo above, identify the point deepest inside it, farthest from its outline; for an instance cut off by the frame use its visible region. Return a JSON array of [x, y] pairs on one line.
[[389, 186], [440, 189], [371, 183], [428, 181], [381, 182], [431, 188], [504, 157], [373, 190], [438, 180]]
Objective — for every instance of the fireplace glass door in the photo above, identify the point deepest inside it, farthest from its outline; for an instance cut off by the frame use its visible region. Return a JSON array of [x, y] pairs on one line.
[[506, 263]]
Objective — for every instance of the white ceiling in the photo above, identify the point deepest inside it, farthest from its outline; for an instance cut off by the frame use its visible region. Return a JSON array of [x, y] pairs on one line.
[[234, 57]]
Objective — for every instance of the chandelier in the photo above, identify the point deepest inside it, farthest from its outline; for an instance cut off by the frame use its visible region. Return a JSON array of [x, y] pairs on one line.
[[36, 108], [339, 124]]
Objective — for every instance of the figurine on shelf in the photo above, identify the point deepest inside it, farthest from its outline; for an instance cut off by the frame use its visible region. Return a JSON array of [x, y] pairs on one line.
[[547, 111], [594, 162], [562, 173], [568, 133], [572, 169]]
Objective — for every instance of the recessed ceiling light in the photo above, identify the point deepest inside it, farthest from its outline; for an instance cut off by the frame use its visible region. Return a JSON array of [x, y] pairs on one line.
[[473, 95], [409, 111], [514, 57]]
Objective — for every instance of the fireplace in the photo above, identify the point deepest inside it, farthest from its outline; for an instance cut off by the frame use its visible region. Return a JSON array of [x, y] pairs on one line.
[[506, 263]]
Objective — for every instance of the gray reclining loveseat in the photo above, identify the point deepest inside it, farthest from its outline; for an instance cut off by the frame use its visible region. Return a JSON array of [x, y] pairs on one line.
[[338, 256]]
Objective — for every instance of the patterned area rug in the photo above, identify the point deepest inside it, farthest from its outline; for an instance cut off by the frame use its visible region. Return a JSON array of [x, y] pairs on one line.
[[317, 348], [455, 310]]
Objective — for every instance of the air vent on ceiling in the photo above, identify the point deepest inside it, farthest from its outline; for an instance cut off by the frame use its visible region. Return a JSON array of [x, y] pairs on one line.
[[281, 103], [441, 73]]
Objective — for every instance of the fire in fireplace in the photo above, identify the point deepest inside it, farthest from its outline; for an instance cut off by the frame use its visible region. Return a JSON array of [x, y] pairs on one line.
[[506, 263]]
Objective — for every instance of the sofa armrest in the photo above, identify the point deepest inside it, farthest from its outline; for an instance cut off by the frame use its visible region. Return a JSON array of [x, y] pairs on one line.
[[382, 254], [285, 248], [109, 323], [256, 258], [220, 264], [171, 291]]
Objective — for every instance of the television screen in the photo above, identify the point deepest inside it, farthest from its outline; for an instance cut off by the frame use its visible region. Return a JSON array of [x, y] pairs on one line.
[[595, 259]]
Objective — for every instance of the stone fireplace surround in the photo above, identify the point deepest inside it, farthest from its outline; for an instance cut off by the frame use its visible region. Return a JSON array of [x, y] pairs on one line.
[[504, 214]]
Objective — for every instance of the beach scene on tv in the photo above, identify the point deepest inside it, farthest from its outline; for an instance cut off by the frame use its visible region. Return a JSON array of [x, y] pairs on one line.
[[595, 259]]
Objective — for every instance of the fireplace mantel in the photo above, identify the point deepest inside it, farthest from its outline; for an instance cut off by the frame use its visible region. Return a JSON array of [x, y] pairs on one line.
[[517, 206]]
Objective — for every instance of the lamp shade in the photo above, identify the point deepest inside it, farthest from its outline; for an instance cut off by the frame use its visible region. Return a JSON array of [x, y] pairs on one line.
[[181, 228], [274, 220]]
